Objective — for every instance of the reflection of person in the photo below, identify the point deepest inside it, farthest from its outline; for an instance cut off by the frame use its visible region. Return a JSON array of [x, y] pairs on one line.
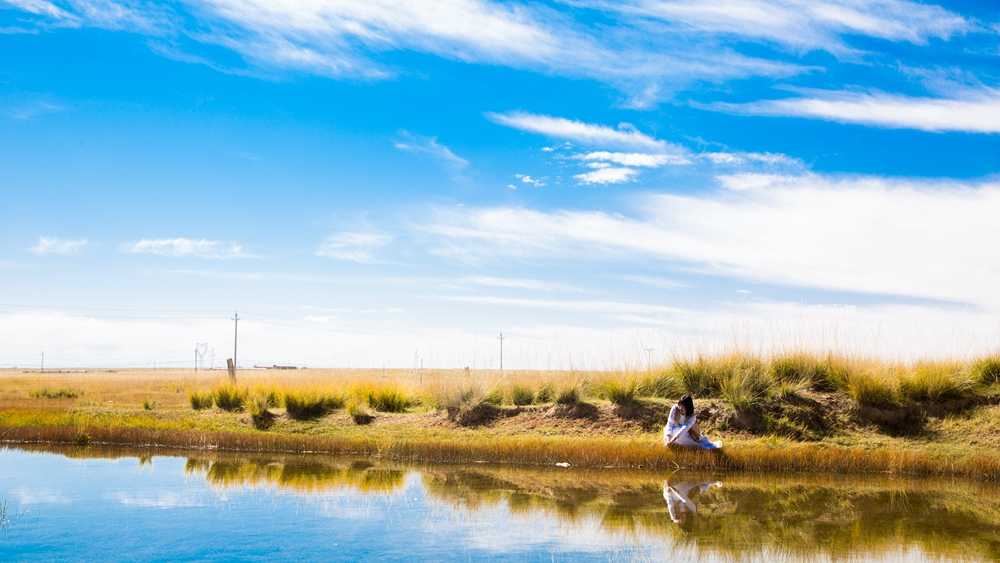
[[682, 427], [680, 504]]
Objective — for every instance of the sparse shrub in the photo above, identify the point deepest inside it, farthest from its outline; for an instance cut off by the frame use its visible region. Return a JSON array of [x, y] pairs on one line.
[[200, 400], [148, 404], [937, 382], [872, 389], [304, 405], [618, 390], [359, 413], [61, 393], [229, 397], [388, 398], [521, 394]]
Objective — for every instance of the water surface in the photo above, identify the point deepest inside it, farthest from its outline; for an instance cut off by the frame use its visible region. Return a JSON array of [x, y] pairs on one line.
[[86, 504]]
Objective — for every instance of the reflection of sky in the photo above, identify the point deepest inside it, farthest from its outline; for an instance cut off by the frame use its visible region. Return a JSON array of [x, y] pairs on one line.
[[119, 510]]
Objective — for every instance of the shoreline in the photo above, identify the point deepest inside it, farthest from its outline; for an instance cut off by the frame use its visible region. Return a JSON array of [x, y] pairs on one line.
[[598, 452]]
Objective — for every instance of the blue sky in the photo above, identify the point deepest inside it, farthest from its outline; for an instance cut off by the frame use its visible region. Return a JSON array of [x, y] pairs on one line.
[[383, 183]]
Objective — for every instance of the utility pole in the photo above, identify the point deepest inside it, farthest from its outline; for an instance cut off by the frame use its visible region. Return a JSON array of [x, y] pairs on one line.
[[196, 359], [501, 354], [649, 361], [236, 335], [43, 361]]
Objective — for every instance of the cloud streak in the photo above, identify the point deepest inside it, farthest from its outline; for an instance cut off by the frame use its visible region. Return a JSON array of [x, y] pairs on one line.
[[354, 246], [974, 112], [55, 245], [183, 247], [588, 134]]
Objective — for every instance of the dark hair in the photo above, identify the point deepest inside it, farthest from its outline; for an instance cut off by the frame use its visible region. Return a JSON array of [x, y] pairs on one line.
[[688, 405]]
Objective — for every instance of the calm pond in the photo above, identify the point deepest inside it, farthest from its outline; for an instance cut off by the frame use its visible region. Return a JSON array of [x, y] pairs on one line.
[[89, 504]]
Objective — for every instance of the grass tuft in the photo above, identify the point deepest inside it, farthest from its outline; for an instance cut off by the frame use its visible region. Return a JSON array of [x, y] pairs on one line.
[[148, 404], [937, 382], [521, 394], [620, 391], [871, 387], [388, 398], [305, 405], [569, 395], [257, 403], [57, 394], [229, 397], [359, 413], [201, 400]]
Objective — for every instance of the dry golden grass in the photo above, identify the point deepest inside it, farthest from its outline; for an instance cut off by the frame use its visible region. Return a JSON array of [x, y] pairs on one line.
[[108, 408]]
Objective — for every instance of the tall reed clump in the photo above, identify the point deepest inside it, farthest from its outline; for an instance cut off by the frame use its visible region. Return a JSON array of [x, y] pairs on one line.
[[149, 404], [201, 400], [304, 405], [387, 398], [229, 397]]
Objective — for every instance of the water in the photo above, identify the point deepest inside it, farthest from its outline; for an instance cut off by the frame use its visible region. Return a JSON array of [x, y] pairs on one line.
[[92, 505]]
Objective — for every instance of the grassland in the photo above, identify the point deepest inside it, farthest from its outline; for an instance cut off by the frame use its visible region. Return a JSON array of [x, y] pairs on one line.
[[790, 413]]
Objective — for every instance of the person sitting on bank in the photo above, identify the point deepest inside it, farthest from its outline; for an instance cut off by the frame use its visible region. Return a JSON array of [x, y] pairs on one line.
[[682, 427]]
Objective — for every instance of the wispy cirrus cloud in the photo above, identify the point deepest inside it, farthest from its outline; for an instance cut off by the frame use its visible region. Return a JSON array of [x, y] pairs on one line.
[[184, 247], [428, 146], [974, 111], [56, 245], [354, 246], [800, 25]]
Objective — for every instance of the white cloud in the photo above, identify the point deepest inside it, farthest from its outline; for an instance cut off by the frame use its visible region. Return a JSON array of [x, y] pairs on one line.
[[801, 24], [355, 247], [55, 245], [740, 158], [580, 132], [324, 319], [181, 247], [973, 111], [635, 159], [526, 179], [860, 234], [607, 175], [430, 147]]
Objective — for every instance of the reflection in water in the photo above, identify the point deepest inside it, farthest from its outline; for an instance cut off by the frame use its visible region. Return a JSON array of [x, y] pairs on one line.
[[297, 474], [680, 504], [735, 516]]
